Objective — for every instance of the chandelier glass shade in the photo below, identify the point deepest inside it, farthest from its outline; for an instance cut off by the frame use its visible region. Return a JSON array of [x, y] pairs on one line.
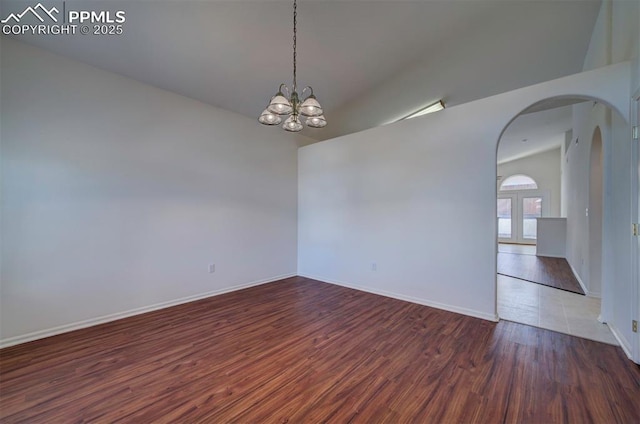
[[287, 103]]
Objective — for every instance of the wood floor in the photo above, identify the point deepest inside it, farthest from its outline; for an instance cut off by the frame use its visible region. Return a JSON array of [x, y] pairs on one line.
[[301, 351], [552, 272]]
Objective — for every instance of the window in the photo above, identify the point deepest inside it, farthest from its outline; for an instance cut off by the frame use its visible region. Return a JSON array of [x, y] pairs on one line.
[[518, 182]]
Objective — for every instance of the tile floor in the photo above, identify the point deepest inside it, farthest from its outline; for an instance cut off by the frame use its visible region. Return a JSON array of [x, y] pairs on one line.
[[523, 249], [553, 309]]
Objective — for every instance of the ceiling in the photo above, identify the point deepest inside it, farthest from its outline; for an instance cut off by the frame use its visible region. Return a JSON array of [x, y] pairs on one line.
[[535, 132], [369, 62]]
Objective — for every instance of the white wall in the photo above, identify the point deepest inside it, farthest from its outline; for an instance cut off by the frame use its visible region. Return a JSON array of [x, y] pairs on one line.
[[616, 211], [544, 168], [568, 137], [116, 196], [596, 197], [417, 198], [616, 38], [552, 237]]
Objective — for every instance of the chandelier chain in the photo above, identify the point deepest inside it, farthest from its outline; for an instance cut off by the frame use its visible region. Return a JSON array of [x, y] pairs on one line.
[[295, 33], [290, 104]]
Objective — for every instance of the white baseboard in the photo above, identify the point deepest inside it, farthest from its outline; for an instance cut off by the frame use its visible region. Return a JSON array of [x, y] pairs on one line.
[[595, 294], [41, 334], [549, 255], [412, 299], [584, 288], [624, 343]]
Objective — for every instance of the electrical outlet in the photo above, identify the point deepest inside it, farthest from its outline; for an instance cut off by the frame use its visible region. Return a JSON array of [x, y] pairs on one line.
[[634, 326], [374, 266], [212, 268]]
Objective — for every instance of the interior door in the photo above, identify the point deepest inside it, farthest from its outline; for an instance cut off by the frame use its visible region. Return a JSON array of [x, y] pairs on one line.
[[518, 215], [530, 211], [507, 230]]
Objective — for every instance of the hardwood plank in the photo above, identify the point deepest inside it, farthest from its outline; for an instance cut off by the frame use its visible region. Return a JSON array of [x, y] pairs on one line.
[[552, 272], [299, 350]]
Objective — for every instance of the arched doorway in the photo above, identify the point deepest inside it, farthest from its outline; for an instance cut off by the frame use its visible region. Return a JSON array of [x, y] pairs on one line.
[[595, 214], [584, 169]]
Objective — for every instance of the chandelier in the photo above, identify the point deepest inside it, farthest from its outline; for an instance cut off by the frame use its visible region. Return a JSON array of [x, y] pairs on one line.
[[290, 105]]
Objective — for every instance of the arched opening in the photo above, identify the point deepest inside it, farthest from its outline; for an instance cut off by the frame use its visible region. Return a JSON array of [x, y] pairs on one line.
[[518, 182], [578, 219], [595, 214]]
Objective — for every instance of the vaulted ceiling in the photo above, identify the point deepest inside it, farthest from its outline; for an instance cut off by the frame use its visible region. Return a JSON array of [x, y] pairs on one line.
[[535, 132], [369, 62]]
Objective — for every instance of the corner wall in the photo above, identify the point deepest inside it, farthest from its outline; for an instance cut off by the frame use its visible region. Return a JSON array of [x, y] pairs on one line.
[[615, 38], [417, 198], [587, 117], [616, 282], [116, 197]]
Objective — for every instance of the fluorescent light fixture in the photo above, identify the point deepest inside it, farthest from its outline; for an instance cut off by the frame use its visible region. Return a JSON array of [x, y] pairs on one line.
[[427, 109]]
